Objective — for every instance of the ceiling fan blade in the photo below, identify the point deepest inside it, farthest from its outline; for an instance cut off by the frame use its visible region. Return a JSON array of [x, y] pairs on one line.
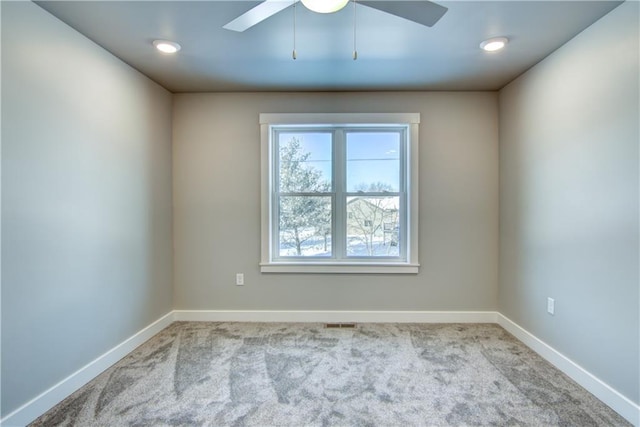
[[258, 14], [423, 12]]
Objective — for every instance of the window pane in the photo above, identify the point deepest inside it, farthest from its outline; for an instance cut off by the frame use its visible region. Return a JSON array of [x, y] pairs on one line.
[[373, 226], [305, 226], [305, 162], [373, 161]]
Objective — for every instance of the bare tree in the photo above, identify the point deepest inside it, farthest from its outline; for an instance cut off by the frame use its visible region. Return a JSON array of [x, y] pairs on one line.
[[301, 217]]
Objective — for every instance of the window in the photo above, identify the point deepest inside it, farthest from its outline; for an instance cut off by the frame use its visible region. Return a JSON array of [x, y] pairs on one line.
[[339, 193]]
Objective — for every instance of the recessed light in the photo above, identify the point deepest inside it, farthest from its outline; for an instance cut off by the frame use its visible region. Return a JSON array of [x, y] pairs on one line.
[[494, 44], [166, 46]]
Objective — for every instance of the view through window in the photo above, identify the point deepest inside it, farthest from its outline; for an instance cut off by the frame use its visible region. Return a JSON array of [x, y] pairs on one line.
[[340, 192]]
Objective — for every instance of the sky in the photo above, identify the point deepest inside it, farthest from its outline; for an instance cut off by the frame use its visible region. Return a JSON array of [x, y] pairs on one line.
[[371, 156]]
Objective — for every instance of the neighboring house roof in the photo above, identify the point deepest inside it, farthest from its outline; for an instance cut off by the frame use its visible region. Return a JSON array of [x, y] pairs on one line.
[[383, 203]]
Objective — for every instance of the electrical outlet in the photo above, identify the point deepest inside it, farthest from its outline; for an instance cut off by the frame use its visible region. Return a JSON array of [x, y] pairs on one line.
[[551, 306], [240, 279]]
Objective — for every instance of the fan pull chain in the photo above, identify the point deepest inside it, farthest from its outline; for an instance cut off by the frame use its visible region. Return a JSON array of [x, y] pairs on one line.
[[355, 50], [294, 55]]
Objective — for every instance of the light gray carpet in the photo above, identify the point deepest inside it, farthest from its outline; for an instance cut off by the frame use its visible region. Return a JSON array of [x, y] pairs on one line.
[[256, 374]]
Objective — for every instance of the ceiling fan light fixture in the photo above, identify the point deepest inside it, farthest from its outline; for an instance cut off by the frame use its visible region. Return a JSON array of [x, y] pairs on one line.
[[166, 46], [324, 6], [494, 44]]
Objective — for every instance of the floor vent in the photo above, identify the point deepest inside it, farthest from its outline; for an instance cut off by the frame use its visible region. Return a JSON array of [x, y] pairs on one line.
[[340, 325]]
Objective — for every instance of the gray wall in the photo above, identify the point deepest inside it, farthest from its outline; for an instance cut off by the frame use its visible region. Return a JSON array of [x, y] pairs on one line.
[[86, 200], [216, 165], [569, 199]]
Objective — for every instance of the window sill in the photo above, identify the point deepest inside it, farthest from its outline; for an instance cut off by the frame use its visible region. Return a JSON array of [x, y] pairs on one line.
[[339, 268]]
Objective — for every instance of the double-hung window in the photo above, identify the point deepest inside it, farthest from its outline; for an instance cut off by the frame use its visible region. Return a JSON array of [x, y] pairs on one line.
[[339, 193]]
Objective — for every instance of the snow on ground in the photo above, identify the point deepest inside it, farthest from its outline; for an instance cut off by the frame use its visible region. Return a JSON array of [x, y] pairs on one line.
[[356, 247]]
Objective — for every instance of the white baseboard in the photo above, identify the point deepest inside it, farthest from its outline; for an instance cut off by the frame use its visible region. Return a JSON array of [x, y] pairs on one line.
[[40, 404], [594, 385], [54, 395], [331, 316]]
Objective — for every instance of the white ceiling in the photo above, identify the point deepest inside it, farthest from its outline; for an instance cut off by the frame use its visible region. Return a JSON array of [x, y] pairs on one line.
[[393, 53]]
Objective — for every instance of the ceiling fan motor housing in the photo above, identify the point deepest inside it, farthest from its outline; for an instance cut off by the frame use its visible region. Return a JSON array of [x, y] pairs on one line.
[[324, 6]]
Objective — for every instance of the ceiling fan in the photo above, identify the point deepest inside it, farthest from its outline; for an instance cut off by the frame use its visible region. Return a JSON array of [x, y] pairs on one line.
[[423, 12]]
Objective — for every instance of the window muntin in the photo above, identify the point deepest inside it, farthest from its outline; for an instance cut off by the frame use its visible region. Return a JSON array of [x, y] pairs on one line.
[[340, 193]]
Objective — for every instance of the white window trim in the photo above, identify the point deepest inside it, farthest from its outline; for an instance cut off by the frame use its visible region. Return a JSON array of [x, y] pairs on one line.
[[411, 265]]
